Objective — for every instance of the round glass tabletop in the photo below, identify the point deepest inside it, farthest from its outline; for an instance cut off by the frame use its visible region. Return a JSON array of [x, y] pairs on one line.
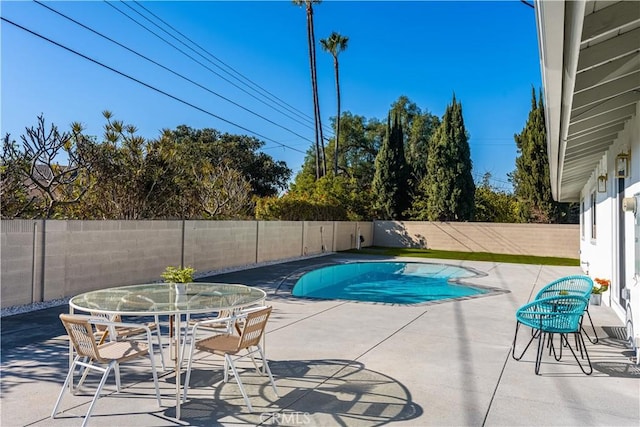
[[168, 298]]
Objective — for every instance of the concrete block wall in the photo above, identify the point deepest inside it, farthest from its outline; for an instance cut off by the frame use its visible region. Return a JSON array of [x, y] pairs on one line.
[[346, 234], [21, 261], [279, 240], [85, 255], [317, 237], [213, 245], [366, 231], [44, 260], [559, 240]]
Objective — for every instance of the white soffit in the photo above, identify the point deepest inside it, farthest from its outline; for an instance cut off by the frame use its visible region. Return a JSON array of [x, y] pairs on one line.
[[599, 90]]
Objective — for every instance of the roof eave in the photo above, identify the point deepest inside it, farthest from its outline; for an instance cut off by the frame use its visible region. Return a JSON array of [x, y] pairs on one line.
[[558, 63]]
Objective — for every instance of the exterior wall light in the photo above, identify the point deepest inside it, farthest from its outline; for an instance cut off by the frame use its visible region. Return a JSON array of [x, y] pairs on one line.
[[602, 183], [622, 165]]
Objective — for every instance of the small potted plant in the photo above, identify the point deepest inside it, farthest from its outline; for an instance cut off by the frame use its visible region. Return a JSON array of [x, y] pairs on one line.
[[596, 293], [178, 275]]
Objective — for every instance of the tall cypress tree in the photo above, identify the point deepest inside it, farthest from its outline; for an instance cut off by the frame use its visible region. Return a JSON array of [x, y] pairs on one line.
[[448, 190], [530, 179], [389, 184]]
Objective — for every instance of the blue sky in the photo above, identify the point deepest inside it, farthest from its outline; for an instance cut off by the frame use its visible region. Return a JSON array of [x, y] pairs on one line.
[[485, 52]]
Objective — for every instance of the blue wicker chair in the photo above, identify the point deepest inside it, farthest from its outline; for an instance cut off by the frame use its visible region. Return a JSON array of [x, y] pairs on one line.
[[572, 285], [554, 315]]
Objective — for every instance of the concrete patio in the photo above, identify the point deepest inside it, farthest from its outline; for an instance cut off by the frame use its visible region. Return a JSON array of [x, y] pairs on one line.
[[348, 363]]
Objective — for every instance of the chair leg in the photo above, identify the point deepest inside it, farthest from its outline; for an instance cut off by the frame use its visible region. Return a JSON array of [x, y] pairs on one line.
[[513, 346], [183, 347], [255, 364], [97, 395], [552, 348], [164, 368], [188, 378], [541, 339], [266, 366], [575, 356], [155, 376], [81, 370], [534, 335], [595, 334], [579, 345], [64, 386], [239, 381], [226, 371], [85, 371], [117, 373]]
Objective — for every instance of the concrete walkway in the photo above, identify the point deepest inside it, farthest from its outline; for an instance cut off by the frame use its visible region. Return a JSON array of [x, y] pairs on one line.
[[351, 364]]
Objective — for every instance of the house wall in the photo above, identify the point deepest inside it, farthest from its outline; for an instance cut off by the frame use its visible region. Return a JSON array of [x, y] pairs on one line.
[[599, 255]]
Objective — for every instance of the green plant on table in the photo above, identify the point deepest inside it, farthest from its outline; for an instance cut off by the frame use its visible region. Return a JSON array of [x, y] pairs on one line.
[[178, 275]]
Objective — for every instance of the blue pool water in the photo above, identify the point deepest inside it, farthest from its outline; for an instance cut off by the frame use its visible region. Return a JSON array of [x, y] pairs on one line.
[[388, 282]]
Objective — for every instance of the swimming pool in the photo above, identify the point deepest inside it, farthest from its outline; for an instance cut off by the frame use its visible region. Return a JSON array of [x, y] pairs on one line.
[[388, 282]]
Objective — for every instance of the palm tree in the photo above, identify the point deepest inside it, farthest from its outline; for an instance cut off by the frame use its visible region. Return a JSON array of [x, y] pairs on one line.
[[311, 40], [334, 44]]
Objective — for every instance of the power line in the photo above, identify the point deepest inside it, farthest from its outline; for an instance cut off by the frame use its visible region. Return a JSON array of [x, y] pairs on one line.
[[147, 85], [265, 92], [171, 71], [480, 177], [194, 59], [299, 113], [528, 4]]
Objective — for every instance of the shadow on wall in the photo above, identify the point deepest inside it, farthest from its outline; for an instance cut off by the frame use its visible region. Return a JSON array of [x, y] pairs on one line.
[[616, 339], [632, 335], [399, 235]]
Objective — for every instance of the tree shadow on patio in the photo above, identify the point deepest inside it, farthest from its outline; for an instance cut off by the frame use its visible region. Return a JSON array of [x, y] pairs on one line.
[[312, 392]]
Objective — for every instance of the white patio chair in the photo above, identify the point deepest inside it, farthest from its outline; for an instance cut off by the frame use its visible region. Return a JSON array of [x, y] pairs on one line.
[[89, 354], [229, 345]]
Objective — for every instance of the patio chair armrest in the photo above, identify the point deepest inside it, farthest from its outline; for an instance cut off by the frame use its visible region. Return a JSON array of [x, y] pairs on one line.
[[230, 320], [98, 320], [216, 320], [226, 319], [245, 311], [126, 325]]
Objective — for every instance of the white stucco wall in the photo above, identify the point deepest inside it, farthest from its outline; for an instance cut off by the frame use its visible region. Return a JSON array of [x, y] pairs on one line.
[[600, 255]]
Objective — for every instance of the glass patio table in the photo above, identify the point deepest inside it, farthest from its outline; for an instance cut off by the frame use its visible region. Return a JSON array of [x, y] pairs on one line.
[[172, 299]]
